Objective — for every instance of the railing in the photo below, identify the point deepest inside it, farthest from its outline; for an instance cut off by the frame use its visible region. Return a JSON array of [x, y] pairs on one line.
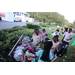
[[15, 45]]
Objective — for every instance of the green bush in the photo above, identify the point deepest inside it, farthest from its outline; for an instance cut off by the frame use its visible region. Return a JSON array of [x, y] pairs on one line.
[[44, 24], [33, 26], [25, 26], [8, 38]]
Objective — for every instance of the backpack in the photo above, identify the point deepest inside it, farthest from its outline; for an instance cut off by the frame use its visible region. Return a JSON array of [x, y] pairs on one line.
[[60, 51]]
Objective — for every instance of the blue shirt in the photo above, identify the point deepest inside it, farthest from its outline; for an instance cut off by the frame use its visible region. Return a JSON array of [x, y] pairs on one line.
[[39, 54]]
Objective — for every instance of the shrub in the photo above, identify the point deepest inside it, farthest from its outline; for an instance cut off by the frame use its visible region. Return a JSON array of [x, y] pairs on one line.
[[44, 24], [33, 26], [8, 38], [15, 28], [24, 26]]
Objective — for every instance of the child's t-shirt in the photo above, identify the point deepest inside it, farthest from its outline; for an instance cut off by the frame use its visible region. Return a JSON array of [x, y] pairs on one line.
[[43, 35], [57, 33], [53, 47], [55, 44], [36, 39], [39, 54]]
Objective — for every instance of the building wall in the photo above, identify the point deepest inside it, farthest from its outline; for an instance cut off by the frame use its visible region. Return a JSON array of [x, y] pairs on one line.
[[9, 16], [23, 19], [6, 16]]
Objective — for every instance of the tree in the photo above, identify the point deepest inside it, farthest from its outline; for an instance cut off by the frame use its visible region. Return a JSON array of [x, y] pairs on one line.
[[47, 17], [74, 22]]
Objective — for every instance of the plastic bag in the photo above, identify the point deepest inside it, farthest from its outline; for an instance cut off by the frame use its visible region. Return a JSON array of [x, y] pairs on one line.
[[19, 47], [25, 40], [18, 55]]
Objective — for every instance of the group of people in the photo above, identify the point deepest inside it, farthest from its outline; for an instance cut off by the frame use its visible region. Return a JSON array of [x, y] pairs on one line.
[[49, 46]]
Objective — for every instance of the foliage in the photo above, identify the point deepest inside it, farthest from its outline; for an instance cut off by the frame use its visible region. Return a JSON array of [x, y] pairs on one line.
[[70, 25], [49, 17], [74, 22], [70, 50], [44, 24], [24, 26], [8, 38], [33, 26]]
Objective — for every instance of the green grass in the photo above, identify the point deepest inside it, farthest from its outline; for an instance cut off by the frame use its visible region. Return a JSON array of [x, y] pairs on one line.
[[70, 51], [53, 27]]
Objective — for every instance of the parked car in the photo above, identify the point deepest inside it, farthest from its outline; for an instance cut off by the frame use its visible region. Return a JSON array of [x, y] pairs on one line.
[[0, 18], [17, 20]]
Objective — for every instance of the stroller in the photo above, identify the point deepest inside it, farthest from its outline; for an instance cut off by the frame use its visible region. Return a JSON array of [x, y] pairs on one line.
[[60, 51]]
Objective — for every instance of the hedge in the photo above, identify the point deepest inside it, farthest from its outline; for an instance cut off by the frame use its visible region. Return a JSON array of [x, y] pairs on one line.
[[44, 24], [8, 38], [33, 26]]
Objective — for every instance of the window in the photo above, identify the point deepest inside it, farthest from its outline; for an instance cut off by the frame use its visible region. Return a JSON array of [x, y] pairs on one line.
[[26, 15], [14, 12], [17, 13], [22, 13]]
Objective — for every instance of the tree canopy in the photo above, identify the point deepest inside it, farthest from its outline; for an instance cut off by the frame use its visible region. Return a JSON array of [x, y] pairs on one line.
[[49, 17]]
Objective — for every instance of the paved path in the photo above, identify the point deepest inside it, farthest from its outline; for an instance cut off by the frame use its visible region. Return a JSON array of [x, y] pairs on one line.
[[4, 24]]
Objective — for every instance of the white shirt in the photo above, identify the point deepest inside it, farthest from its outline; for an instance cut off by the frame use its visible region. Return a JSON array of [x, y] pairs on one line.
[[64, 33], [68, 36], [55, 44], [57, 33]]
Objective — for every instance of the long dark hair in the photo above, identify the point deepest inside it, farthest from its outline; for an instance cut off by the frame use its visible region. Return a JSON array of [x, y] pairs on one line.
[[47, 46], [56, 36]]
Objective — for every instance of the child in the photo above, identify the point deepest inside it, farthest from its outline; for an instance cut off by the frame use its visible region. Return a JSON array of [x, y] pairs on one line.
[[62, 28], [57, 33], [55, 44], [28, 59], [43, 34], [44, 55], [36, 38], [52, 31], [66, 30], [67, 37]]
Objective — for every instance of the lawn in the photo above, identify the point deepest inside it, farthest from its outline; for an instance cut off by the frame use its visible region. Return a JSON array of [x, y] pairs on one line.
[[8, 38], [70, 51]]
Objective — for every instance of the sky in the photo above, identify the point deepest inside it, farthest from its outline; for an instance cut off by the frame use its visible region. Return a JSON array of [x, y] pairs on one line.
[[70, 16]]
